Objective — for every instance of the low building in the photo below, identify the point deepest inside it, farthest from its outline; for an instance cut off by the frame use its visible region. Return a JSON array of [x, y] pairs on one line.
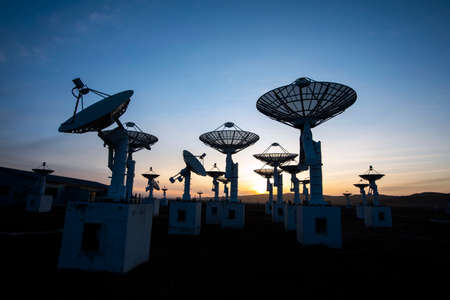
[[15, 185]]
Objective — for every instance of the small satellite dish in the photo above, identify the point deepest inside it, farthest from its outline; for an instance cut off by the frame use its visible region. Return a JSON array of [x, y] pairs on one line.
[[43, 170], [264, 172], [192, 165]]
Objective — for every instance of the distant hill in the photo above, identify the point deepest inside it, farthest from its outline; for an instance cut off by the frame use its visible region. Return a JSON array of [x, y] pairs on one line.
[[427, 199]]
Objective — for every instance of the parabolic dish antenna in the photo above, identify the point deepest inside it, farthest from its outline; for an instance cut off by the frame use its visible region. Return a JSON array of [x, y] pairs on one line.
[[264, 172], [151, 174], [99, 115], [371, 175], [229, 138], [193, 163], [306, 100], [43, 170], [304, 104], [292, 169], [215, 172], [275, 158], [137, 140]]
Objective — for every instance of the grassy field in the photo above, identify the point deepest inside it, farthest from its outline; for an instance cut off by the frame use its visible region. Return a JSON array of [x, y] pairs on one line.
[[260, 261]]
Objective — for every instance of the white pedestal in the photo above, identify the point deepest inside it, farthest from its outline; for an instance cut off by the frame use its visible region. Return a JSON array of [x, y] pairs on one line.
[[156, 203], [41, 204], [360, 211], [214, 212], [319, 225], [290, 217], [378, 216], [268, 208], [278, 212], [233, 215], [112, 237], [185, 217]]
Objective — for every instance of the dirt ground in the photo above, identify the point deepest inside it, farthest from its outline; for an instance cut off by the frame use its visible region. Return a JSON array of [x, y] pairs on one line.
[[411, 259]]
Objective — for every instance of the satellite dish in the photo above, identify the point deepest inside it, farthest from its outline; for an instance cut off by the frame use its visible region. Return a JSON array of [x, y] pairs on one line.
[[275, 159], [264, 172], [99, 115], [43, 170], [229, 139], [306, 100], [155, 185], [137, 140], [304, 104], [192, 165], [372, 176], [215, 172]]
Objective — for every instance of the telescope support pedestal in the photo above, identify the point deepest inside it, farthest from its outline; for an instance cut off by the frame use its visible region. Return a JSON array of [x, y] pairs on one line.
[[106, 236]]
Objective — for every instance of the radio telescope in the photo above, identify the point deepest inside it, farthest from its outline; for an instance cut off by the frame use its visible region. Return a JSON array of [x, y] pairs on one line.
[[137, 140], [37, 200], [230, 139], [347, 195], [304, 182], [225, 186], [267, 173], [97, 117], [152, 183], [295, 182], [305, 104], [215, 173], [362, 185], [372, 176], [275, 159], [192, 165]]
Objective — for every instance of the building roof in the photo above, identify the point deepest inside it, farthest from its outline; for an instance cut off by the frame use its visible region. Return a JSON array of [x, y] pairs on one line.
[[55, 179]]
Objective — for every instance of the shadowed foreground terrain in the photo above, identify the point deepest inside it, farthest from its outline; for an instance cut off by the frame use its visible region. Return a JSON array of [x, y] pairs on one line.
[[261, 260]]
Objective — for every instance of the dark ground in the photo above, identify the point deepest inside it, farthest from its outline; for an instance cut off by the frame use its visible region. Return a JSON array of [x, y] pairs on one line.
[[411, 259]]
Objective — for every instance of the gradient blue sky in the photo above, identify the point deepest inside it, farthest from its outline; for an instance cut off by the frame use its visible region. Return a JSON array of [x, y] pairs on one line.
[[195, 64]]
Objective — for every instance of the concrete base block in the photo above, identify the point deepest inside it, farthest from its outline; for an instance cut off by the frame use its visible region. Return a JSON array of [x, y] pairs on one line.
[[185, 217], [233, 215], [156, 203], [319, 225], [378, 216], [360, 212], [164, 202], [268, 209], [290, 217], [112, 237], [213, 212], [278, 212], [41, 204]]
